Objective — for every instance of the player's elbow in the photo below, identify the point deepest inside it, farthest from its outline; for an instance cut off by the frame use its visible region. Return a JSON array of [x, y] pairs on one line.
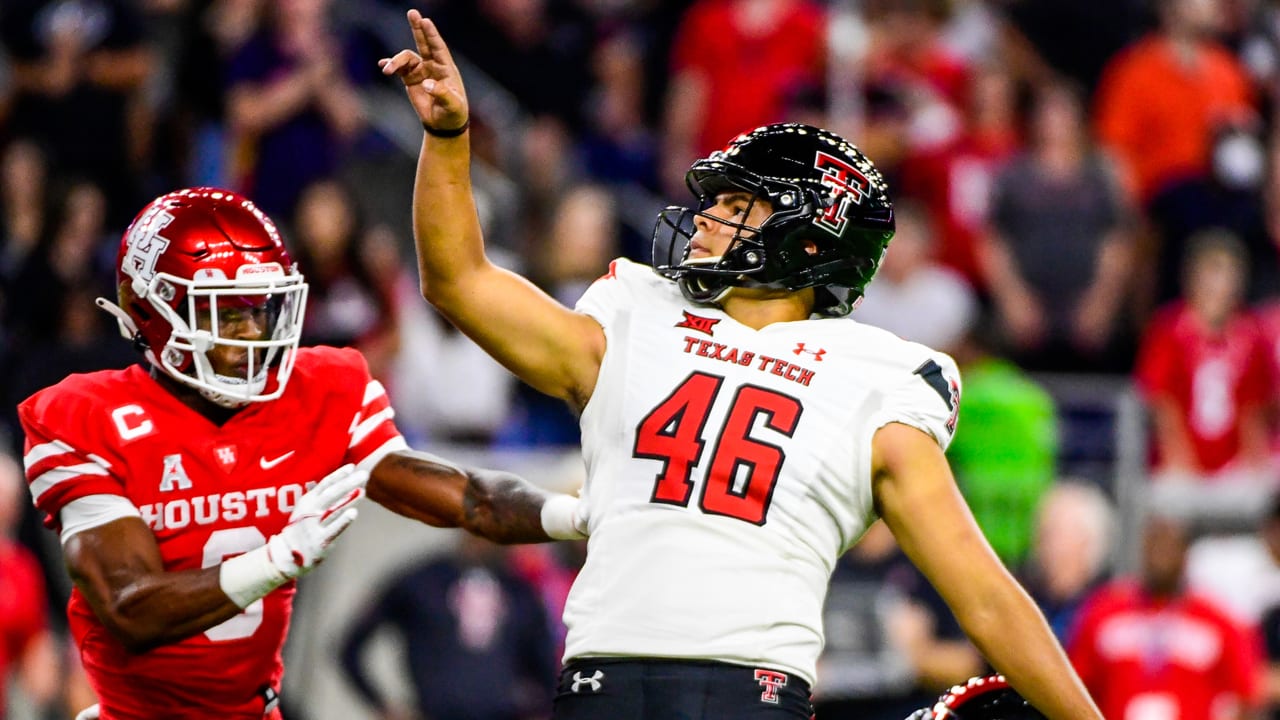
[[133, 625], [136, 635]]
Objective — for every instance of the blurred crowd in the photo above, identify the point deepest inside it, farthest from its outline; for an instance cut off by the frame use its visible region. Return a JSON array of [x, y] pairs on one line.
[[1082, 186]]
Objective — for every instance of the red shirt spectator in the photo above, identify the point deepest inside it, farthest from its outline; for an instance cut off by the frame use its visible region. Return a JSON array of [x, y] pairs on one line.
[[722, 47], [1204, 369], [23, 619], [1142, 657], [1213, 378], [1161, 100]]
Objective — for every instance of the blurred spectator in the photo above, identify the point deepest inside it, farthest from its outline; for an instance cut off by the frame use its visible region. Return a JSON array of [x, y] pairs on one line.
[[292, 106], [723, 47], [477, 640], [1149, 648], [617, 145], [79, 67], [444, 387], [891, 643], [1074, 537], [1203, 370], [1162, 99], [913, 296], [211, 32], [1058, 251], [909, 60], [1006, 456], [24, 176], [550, 569], [579, 242], [955, 179], [351, 273], [1231, 197], [75, 252], [28, 651]]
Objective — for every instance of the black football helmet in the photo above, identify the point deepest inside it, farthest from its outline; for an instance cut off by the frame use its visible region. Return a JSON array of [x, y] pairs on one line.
[[981, 698], [824, 193]]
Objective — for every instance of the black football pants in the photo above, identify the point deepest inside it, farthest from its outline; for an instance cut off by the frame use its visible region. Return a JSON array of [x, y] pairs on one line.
[[650, 689]]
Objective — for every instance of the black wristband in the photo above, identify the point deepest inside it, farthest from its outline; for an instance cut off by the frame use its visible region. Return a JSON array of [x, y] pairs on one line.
[[455, 132]]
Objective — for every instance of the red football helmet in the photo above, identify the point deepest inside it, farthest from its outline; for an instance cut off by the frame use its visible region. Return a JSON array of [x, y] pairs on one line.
[[189, 255], [981, 698]]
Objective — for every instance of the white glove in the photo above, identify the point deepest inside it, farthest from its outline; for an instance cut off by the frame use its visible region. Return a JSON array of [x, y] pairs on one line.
[[320, 516], [89, 713]]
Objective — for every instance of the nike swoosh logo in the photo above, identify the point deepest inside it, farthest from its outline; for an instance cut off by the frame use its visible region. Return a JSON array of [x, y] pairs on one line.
[[268, 464]]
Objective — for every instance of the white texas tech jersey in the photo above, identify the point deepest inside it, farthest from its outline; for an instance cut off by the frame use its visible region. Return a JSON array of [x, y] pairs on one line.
[[728, 469]]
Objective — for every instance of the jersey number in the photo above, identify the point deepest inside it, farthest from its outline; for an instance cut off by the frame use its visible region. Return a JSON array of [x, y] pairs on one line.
[[672, 433], [221, 545]]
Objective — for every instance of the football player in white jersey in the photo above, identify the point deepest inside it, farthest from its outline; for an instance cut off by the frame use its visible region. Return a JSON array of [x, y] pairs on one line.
[[738, 435]]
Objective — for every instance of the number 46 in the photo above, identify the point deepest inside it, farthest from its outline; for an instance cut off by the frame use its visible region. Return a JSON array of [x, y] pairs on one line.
[[672, 433]]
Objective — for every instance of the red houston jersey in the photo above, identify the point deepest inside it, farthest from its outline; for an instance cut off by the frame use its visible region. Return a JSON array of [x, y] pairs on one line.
[[208, 493]]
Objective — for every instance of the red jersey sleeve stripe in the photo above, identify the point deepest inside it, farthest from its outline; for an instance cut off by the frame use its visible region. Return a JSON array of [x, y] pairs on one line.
[[372, 429], [45, 455], [373, 391], [58, 474], [367, 426]]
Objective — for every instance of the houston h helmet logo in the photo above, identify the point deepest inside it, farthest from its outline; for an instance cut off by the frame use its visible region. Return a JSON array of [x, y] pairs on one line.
[[145, 245], [847, 185]]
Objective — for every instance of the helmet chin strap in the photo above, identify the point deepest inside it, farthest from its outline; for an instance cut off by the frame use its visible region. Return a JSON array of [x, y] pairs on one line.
[[128, 329]]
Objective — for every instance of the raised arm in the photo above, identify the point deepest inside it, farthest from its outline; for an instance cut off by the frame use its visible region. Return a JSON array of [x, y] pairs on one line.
[[549, 346], [118, 568], [917, 497], [496, 505]]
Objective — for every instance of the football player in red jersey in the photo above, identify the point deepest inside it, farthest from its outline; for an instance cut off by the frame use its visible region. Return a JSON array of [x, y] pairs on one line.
[[737, 438], [190, 492]]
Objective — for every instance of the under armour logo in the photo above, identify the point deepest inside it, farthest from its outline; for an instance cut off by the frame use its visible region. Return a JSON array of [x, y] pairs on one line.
[[593, 681], [696, 322], [817, 354], [770, 680]]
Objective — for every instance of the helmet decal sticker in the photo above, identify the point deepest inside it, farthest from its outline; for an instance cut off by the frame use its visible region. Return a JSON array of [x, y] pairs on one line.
[[146, 244], [846, 183]]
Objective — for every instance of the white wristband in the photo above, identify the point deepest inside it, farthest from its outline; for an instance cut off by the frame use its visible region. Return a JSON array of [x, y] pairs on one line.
[[560, 518], [248, 577]]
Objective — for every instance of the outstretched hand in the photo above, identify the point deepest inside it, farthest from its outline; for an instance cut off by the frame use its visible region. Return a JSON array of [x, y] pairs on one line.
[[431, 79]]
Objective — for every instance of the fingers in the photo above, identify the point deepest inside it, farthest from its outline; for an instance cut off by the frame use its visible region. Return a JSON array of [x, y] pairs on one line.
[[436, 49], [402, 63], [340, 523], [333, 489], [428, 40], [419, 34], [348, 501]]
